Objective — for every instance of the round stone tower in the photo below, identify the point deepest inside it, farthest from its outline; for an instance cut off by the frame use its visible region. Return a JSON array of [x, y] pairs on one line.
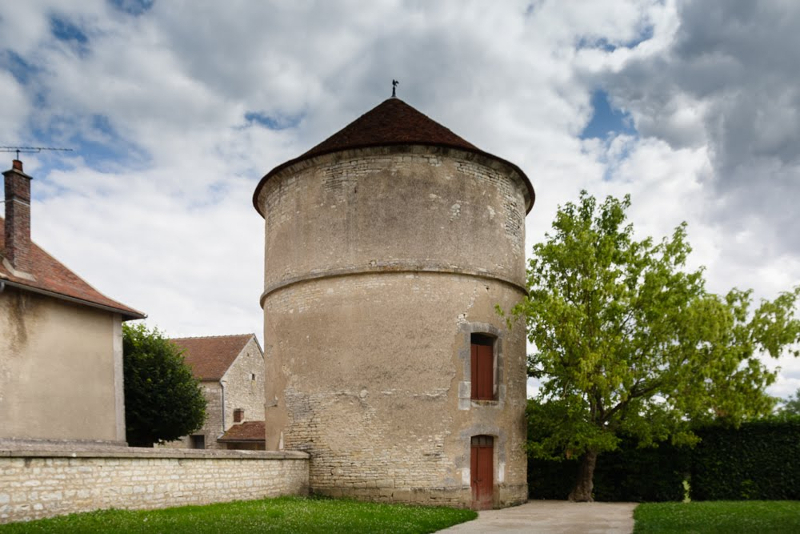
[[388, 246]]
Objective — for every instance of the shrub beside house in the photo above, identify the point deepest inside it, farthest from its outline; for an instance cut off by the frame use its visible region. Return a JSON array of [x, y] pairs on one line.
[[231, 374]]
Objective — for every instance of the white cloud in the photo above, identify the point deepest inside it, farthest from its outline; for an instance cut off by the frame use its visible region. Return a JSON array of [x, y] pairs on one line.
[[155, 207]]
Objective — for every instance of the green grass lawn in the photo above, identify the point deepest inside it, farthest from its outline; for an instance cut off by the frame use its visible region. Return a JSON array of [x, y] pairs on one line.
[[718, 517], [284, 514]]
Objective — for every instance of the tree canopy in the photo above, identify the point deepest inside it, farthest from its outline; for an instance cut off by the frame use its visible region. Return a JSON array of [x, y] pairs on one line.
[[791, 406], [628, 341], [163, 400]]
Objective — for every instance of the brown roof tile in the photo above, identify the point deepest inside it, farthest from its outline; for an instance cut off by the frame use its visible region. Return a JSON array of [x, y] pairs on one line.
[[211, 356], [247, 431], [51, 277], [392, 122]]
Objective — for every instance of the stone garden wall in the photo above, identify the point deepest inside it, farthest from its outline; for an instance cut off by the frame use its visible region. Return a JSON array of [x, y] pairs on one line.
[[41, 483]]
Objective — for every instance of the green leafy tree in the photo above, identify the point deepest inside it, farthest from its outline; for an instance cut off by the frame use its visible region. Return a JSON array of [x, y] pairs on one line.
[[629, 342], [792, 405], [163, 400]]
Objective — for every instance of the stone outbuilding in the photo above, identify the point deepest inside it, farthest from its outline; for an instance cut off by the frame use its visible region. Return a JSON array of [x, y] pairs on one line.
[[387, 248], [60, 340], [231, 374]]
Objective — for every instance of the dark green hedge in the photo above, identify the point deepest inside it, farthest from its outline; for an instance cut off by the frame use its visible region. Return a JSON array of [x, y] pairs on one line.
[[629, 475], [759, 461]]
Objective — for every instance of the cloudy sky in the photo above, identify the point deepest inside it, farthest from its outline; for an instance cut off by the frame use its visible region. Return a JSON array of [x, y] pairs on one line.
[[175, 109]]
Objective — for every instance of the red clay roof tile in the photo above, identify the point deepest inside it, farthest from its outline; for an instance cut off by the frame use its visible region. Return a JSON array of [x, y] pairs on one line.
[[247, 431], [211, 356], [392, 122], [53, 278]]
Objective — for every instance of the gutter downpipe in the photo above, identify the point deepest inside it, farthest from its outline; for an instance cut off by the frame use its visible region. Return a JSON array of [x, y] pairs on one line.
[[222, 383]]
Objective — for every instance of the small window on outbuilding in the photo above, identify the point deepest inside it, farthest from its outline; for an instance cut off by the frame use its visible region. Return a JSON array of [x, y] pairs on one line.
[[198, 442], [238, 415], [482, 366]]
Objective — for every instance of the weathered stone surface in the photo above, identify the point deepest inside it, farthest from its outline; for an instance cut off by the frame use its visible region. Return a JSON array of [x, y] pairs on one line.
[[45, 483], [379, 263]]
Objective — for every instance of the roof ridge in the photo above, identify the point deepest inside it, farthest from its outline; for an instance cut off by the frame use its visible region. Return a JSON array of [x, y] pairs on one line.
[[54, 278], [212, 337], [79, 277]]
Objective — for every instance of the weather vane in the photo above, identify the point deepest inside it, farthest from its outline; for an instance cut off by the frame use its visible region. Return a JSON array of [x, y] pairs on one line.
[[30, 149], [395, 83]]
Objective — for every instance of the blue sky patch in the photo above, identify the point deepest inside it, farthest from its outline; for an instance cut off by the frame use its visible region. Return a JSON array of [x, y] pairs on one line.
[[132, 7], [95, 141], [606, 120], [20, 69], [644, 35], [272, 122], [604, 44], [69, 33], [106, 147]]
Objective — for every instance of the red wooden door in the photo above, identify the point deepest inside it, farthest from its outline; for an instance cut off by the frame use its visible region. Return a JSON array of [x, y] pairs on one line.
[[482, 471]]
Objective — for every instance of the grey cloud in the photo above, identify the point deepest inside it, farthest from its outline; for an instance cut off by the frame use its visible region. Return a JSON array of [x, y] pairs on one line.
[[730, 79]]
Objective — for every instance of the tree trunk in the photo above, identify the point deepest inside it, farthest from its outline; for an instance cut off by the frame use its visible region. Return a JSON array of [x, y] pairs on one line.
[[582, 492]]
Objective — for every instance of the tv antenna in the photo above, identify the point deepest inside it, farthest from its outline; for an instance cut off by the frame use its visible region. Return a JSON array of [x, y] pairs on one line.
[[31, 149]]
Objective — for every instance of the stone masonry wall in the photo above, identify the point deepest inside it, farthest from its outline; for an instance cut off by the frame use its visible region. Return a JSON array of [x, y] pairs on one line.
[[241, 389], [37, 484], [379, 264]]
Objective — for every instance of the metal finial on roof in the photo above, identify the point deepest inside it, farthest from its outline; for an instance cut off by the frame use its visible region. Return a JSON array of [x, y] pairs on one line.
[[395, 83]]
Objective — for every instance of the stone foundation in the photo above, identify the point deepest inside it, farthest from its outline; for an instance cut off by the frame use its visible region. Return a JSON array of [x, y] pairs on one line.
[[455, 497]]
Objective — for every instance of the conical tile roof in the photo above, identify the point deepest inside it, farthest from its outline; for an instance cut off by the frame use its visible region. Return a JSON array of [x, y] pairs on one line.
[[392, 122]]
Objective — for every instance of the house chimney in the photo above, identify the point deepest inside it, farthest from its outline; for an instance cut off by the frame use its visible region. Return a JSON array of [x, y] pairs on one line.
[[18, 217]]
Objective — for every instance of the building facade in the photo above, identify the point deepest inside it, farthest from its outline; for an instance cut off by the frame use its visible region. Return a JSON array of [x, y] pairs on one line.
[[60, 340], [387, 248], [231, 374]]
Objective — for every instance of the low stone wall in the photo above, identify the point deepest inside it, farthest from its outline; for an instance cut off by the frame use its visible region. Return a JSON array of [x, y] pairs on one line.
[[45, 483]]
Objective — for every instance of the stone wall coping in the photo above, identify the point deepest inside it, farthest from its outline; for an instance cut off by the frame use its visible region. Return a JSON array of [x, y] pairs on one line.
[[147, 453]]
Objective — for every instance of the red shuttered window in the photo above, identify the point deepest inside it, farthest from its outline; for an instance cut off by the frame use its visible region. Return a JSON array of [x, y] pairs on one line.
[[482, 365]]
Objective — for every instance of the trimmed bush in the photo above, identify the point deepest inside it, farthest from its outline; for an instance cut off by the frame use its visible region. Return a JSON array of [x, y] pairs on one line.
[[653, 474], [627, 475], [759, 461]]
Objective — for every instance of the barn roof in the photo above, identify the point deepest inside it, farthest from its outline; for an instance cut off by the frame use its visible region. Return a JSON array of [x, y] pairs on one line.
[[211, 356]]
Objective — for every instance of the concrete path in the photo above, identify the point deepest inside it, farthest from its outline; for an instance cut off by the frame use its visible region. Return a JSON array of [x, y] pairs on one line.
[[554, 517]]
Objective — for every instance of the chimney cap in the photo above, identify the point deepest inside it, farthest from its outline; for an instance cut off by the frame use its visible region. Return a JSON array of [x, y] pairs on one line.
[[16, 168]]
